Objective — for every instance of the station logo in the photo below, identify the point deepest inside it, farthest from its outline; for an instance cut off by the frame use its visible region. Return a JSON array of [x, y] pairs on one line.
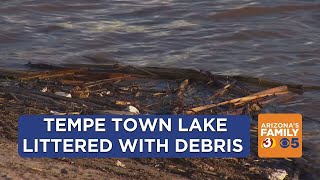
[[280, 135]]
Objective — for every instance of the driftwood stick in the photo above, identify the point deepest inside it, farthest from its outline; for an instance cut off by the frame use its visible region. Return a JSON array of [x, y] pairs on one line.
[[179, 102], [53, 96], [103, 81], [269, 92], [222, 91], [268, 83], [273, 91], [280, 99], [157, 72], [143, 70], [103, 112], [43, 66], [71, 82], [14, 96], [52, 74], [45, 99]]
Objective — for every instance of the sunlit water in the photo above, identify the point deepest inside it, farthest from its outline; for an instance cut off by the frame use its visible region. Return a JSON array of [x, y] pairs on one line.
[[278, 41]]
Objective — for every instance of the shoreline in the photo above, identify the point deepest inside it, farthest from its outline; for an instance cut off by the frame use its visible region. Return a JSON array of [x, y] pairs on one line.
[[112, 89]]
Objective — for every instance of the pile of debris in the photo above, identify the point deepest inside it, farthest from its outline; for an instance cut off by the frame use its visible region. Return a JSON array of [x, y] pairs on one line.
[[115, 89]]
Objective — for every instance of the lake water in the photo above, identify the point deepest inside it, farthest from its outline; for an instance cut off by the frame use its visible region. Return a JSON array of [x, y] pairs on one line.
[[278, 41]]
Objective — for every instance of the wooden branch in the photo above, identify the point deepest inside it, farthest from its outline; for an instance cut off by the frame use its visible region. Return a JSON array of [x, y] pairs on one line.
[[53, 96], [273, 91], [269, 92], [71, 82]]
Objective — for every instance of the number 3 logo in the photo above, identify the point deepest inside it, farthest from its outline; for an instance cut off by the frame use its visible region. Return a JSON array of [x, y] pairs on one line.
[[268, 143]]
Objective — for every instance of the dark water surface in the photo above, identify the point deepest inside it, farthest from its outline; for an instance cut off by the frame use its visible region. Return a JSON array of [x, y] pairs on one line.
[[278, 41]]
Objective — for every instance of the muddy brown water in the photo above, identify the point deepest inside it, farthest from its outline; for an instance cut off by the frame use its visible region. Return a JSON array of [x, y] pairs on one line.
[[278, 41]]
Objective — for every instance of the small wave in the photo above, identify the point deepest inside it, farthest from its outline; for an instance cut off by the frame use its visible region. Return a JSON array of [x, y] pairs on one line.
[[110, 26], [178, 24], [258, 11], [252, 34], [48, 8], [55, 27], [59, 7], [6, 37], [143, 11]]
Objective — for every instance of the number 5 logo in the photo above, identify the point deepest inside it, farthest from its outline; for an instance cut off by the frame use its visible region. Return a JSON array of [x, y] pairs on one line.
[[285, 143], [295, 143]]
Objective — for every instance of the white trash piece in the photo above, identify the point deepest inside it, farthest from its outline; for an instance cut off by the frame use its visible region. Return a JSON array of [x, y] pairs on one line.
[[57, 113], [120, 164], [63, 94], [45, 89], [133, 110], [63, 113]]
